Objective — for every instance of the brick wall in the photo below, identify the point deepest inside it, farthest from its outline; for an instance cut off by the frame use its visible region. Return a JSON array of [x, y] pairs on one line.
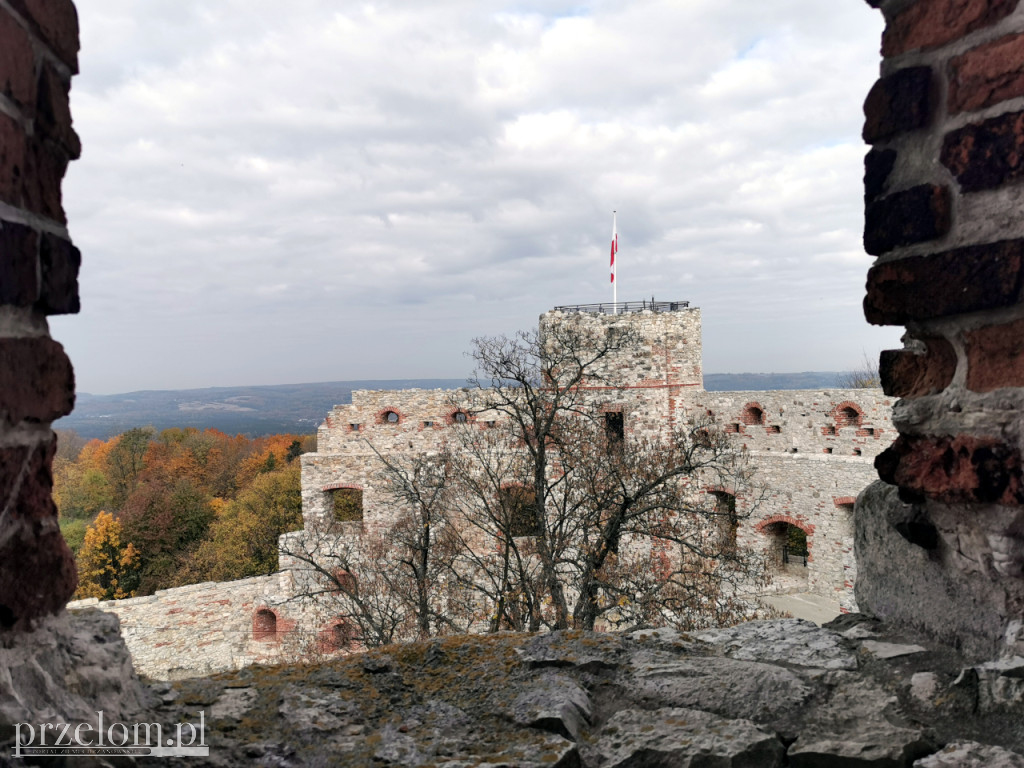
[[943, 197], [38, 277]]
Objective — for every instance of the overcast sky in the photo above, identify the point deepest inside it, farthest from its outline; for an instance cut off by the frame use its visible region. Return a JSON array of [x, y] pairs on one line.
[[322, 190]]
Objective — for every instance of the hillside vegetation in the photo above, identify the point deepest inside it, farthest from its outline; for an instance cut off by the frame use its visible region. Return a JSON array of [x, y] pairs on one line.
[[149, 510]]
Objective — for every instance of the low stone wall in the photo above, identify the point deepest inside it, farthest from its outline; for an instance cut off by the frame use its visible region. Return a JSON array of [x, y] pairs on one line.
[[202, 629]]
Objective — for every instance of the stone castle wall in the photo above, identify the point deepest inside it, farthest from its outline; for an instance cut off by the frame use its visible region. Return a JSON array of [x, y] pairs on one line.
[[812, 449], [202, 629]]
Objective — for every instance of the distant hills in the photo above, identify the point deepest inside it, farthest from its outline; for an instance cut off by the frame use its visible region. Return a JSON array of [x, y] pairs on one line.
[[301, 408], [258, 410]]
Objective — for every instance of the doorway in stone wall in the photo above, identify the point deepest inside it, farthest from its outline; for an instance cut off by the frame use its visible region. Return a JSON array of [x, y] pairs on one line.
[[787, 553]]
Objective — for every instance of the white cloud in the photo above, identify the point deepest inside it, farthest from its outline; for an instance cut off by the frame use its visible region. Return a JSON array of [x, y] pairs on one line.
[[355, 191]]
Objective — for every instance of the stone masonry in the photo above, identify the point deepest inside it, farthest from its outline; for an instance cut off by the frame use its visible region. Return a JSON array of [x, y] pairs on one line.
[[943, 196]]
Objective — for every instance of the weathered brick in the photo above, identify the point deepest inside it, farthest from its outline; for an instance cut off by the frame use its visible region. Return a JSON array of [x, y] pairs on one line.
[[987, 74], [12, 160], [897, 103], [53, 112], [37, 382], [59, 261], [995, 356], [953, 469], [988, 154], [56, 24], [45, 165], [17, 68], [19, 248], [37, 570], [932, 23], [905, 373], [913, 215], [878, 164], [961, 280]]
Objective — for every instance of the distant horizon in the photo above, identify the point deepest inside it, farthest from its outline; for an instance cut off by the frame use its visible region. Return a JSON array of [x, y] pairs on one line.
[[421, 379]]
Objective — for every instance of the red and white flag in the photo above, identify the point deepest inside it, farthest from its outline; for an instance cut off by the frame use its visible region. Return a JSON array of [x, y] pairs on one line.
[[615, 245]]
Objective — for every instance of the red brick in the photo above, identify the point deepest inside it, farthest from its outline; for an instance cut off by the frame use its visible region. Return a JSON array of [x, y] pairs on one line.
[[995, 356], [987, 74], [53, 112], [953, 469], [931, 23], [968, 279], [17, 68], [12, 160], [37, 570], [905, 373], [37, 382], [898, 103], [59, 261], [45, 165], [986, 155], [56, 24], [878, 165], [910, 216], [19, 280]]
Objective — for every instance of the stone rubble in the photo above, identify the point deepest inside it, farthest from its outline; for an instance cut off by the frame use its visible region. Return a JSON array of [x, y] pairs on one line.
[[770, 693]]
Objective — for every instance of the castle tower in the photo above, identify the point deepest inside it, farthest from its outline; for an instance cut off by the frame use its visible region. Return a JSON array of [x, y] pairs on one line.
[[666, 349]]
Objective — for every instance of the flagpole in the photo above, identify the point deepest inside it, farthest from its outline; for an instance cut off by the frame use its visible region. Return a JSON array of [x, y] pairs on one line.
[[615, 250]]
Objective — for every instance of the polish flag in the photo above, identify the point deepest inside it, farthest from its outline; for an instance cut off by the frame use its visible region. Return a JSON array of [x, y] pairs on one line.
[[615, 247]]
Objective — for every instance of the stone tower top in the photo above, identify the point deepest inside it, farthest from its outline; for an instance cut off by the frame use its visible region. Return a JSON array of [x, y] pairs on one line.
[[667, 352]]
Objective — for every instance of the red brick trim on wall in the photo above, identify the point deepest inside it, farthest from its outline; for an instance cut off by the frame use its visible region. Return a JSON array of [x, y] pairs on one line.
[[340, 486], [804, 526]]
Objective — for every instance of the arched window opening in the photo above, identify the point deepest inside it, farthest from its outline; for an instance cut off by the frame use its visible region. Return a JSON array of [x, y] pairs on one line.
[[848, 415], [518, 506], [347, 505], [264, 625], [787, 545], [459, 417], [390, 417], [753, 414]]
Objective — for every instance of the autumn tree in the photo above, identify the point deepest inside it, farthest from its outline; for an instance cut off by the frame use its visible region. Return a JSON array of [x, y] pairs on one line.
[[125, 462], [243, 536], [107, 566]]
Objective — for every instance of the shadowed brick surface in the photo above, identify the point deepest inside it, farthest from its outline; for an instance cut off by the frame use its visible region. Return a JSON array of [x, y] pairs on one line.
[[988, 154], [897, 103], [914, 215], [966, 279]]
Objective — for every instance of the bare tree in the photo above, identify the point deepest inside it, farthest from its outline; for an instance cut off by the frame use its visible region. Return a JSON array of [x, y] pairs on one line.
[[391, 583], [590, 524], [538, 512], [865, 376]]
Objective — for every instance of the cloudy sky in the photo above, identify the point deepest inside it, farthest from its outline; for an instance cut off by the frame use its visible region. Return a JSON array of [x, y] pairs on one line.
[[324, 190]]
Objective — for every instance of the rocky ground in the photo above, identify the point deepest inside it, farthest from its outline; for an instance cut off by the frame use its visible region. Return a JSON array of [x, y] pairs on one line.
[[774, 693]]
